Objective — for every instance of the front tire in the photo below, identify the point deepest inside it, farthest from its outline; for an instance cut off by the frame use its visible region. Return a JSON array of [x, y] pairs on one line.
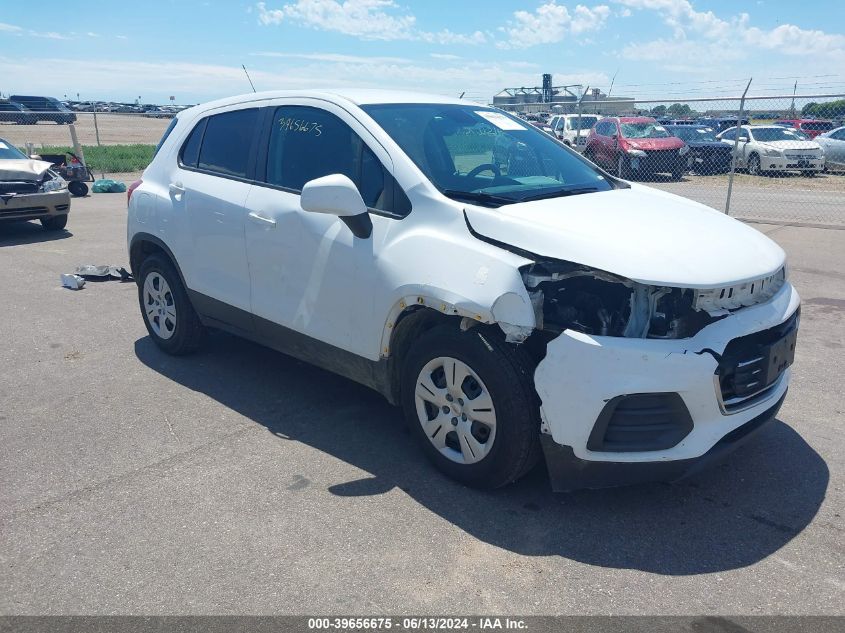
[[754, 165], [470, 400], [623, 169], [54, 222], [170, 318]]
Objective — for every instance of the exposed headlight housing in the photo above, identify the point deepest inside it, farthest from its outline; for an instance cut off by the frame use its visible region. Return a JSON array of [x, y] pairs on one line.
[[637, 152], [54, 184], [772, 152], [684, 150]]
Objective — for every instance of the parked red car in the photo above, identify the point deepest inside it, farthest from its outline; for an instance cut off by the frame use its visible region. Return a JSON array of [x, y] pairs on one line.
[[811, 127], [636, 146]]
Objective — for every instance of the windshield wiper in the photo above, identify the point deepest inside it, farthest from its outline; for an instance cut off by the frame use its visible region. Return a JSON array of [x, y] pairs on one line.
[[559, 193], [479, 196]]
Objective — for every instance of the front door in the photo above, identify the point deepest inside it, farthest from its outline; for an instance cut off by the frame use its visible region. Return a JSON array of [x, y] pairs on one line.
[[308, 272]]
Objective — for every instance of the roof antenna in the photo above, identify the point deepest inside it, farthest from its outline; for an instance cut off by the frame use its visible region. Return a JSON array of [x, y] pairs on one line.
[[462, 94], [247, 76]]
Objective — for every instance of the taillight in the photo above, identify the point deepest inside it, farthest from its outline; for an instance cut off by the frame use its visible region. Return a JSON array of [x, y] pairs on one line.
[[132, 188]]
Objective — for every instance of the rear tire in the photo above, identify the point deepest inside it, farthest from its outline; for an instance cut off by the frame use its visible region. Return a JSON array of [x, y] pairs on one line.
[[170, 318], [490, 379], [54, 222]]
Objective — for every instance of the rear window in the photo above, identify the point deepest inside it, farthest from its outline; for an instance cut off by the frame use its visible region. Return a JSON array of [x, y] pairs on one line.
[[226, 142], [823, 126]]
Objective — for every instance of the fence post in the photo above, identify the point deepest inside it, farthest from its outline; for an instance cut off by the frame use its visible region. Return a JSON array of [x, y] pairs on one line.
[[736, 145], [96, 127]]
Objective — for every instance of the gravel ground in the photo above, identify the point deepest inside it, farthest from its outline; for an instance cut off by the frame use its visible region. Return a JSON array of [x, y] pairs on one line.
[[241, 481]]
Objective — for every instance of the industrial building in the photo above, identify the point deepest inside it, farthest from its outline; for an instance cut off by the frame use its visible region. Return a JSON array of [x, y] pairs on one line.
[[561, 100]]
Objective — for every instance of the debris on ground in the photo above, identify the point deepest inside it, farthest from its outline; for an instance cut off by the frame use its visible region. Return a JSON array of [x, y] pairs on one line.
[[103, 273], [74, 282]]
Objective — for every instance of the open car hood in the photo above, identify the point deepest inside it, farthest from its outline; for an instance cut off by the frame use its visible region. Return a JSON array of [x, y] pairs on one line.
[[23, 169], [644, 234]]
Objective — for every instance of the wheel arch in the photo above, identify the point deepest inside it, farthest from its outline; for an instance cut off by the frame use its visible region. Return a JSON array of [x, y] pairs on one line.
[[142, 246]]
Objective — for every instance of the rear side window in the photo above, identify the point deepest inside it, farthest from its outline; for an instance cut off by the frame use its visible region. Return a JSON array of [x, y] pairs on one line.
[[308, 143], [190, 153], [226, 142]]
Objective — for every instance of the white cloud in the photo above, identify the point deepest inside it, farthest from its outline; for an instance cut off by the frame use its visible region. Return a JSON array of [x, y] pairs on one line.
[[697, 33], [10, 28], [551, 23], [335, 57], [114, 79], [364, 19]]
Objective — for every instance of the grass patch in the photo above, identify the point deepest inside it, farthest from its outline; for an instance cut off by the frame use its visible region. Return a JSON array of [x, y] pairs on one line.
[[111, 158]]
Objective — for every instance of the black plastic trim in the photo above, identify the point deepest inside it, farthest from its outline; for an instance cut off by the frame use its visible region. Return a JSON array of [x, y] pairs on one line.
[[361, 225], [646, 427], [568, 472]]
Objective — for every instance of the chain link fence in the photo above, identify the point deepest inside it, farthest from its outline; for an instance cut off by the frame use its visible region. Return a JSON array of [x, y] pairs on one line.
[[785, 165]]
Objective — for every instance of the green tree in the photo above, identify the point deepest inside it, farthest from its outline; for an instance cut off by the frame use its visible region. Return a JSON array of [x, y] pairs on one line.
[[659, 110], [679, 109]]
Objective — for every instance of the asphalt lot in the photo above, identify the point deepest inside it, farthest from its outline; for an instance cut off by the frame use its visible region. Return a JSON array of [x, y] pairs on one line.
[[241, 481]]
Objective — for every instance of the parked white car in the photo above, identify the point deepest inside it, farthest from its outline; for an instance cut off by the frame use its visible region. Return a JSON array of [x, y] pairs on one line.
[[572, 129], [510, 295], [833, 144], [774, 148]]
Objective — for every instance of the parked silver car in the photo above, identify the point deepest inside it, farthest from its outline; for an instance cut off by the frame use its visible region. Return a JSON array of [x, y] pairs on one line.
[[833, 144]]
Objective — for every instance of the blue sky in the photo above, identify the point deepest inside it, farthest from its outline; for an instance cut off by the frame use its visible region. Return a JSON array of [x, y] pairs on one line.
[[193, 49]]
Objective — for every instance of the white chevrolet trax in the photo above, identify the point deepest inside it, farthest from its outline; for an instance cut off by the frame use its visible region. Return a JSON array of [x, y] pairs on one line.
[[517, 301]]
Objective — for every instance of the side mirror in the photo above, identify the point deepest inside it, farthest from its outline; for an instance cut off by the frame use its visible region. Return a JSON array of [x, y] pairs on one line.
[[337, 195]]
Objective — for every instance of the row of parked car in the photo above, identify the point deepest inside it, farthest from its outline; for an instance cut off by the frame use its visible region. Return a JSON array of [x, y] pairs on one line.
[[31, 109], [644, 146]]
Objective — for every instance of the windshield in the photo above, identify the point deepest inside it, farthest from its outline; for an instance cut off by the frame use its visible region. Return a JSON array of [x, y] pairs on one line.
[[772, 134], [483, 155], [692, 134], [824, 126], [586, 122], [644, 130], [9, 151]]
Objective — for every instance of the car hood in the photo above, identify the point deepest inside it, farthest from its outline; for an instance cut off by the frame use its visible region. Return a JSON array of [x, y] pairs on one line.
[[23, 169], [791, 144], [670, 142], [644, 234]]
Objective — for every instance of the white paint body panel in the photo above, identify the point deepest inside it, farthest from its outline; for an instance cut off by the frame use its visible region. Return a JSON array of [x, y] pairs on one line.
[[308, 272]]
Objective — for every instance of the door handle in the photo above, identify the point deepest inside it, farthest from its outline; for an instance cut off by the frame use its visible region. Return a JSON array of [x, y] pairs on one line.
[[260, 219], [176, 188]]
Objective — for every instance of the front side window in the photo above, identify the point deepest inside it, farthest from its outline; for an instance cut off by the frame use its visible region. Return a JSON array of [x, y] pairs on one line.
[[9, 151], [729, 135], [226, 142], [308, 143], [483, 155]]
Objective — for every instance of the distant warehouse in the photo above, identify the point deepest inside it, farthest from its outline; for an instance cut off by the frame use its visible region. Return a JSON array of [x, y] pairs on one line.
[[560, 99]]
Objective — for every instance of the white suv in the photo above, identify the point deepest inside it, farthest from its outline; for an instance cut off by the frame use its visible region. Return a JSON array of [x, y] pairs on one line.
[[512, 297], [573, 129]]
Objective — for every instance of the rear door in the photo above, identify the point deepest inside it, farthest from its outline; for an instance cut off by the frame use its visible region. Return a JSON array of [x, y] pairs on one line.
[[212, 183]]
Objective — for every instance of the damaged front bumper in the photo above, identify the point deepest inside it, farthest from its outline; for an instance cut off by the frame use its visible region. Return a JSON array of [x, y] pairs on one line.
[[617, 410], [34, 206]]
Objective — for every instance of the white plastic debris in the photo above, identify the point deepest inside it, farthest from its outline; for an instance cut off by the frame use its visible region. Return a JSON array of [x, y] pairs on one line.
[[74, 282]]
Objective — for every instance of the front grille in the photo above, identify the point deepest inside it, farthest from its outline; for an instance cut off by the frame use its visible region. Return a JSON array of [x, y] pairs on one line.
[[748, 370], [23, 212], [641, 422], [18, 186], [62, 207]]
